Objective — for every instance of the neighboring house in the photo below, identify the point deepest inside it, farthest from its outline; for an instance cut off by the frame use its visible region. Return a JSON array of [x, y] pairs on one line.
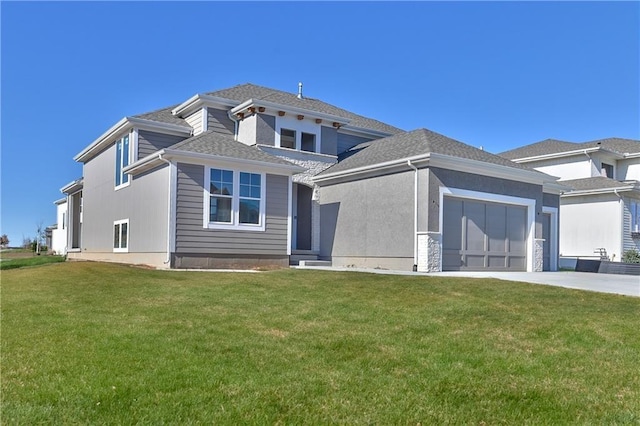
[[600, 211], [251, 176], [57, 233]]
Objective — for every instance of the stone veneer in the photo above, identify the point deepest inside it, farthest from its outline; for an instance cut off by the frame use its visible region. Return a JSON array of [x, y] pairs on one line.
[[538, 255], [429, 246]]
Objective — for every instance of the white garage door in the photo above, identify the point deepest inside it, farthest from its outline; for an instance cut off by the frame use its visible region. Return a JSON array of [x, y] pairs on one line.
[[478, 236]]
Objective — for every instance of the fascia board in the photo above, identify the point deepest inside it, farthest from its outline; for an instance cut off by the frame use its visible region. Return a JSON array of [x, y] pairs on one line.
[[198, 100], [206, 159], [555, 188], [357, 131], [126, 124], [598, 191], [290, 109], [370, 168], [628, 155], [556, 155], [73, 187], [489, 169], [60, 201]]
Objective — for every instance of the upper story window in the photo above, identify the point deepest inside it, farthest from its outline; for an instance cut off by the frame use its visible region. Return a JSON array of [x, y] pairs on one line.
[[607, 170], [122, 160], [235, 200], [298, 134], [288, 138]]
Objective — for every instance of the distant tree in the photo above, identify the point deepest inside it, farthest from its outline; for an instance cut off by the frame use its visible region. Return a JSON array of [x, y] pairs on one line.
[[4, 241], [40, 235], [26, 242]]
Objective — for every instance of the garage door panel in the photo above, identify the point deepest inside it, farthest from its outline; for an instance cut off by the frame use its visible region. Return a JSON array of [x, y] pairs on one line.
[[483, 236]]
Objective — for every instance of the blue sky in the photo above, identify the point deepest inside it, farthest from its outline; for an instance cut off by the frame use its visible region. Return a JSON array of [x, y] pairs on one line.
[[494, 74]]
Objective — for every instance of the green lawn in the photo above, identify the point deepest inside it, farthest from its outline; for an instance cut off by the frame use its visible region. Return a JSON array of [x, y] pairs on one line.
[[90, 343], [33, 260]]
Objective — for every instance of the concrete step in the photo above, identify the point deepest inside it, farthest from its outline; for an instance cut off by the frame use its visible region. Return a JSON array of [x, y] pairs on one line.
[[315, 263], [296, 258]]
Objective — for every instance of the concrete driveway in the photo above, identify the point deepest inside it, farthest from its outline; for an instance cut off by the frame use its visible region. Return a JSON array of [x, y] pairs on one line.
[[627, 285]]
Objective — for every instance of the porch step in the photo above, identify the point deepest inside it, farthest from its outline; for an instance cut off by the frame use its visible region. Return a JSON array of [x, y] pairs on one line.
[[315, 263], [298, 256]]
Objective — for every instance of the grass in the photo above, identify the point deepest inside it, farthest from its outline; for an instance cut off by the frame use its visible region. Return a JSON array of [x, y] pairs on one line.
[[22, 261], [91, 343]]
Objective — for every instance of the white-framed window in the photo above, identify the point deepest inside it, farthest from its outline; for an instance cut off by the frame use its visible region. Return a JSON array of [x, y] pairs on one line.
[[122, 161], [634, 207], [234, 199], [121, 236], [301, 135]]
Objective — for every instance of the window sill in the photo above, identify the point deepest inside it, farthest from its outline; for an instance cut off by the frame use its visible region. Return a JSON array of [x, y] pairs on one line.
[[231, 227]]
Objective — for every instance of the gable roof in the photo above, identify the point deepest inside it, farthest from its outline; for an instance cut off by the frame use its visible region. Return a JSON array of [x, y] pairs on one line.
[[415, 143], [163, 115], [553, 146], [244, 92]]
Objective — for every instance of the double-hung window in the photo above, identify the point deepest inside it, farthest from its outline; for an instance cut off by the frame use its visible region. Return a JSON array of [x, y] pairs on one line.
[[234, 200], [121, 236], [122, 160]]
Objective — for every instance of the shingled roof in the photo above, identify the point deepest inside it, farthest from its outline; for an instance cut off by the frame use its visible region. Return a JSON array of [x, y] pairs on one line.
[[554, 146], [415, 143], [212, 143], [594, 183], [163, 115], [244, 92]]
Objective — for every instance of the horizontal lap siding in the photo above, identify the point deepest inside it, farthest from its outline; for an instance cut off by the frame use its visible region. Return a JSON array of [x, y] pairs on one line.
[[192, 237], [195, 121], [150, 142], [218, 121]]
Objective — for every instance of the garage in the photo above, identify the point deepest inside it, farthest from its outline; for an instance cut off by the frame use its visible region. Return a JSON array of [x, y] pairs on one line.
[[480, 236]]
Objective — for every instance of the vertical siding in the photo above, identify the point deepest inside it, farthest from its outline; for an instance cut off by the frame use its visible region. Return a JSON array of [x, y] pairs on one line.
[[345, 142], [628, 243], [150, 142], [195, 120], [192, 237], [218, 121]]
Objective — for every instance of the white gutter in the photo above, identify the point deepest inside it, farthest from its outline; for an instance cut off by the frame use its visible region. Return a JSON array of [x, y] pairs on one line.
[[557, 155], [233, 118], [597, 191], [415, 215], [290, 109]]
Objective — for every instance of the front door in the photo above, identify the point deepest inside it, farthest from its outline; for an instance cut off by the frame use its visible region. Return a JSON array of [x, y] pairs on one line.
[[302, 217]]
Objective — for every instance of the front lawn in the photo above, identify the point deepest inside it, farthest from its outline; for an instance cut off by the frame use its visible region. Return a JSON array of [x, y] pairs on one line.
[[32, 260], [91, 343]]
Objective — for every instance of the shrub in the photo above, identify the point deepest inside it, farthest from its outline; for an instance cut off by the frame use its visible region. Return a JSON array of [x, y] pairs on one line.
[[631, 256]]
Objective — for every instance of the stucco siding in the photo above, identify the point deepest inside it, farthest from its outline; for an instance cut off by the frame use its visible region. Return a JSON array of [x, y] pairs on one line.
[[144, 202], [150, 142], [567, 168], [628, 169], [369, 218], [247, 130], [218, 121], [590, 222], [192, 237], [551, 200]]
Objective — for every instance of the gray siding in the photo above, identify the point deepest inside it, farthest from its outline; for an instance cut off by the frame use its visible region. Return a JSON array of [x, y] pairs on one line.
[[329, 140], [266, 129], [345, 142], [150, 142], [144, 202], [368, 218], [454, 179], [219, 122], [551, 200], [192, 237], [628, 243], [195, 121]]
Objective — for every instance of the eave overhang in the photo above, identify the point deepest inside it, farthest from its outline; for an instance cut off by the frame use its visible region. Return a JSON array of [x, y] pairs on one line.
[[616, 190], [163, 156], [567, 154], [125, 125], [251, 106], [73, 187], [440, 161], [198, 101], [60, 201]]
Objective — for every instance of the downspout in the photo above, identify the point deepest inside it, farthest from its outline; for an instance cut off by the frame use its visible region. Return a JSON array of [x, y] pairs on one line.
[[415, 215], [235, 124], [168, 259], [621, 203]]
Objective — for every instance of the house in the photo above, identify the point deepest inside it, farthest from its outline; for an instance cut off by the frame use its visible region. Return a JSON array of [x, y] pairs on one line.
[[600, 211], [57, 233], [251, 176]]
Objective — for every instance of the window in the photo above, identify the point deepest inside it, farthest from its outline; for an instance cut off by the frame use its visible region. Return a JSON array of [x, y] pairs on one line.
[[607, 170], [235, 200], [287, 138], [122, 160], [308, 142], [121, 235], [635, 216], [64, 219]]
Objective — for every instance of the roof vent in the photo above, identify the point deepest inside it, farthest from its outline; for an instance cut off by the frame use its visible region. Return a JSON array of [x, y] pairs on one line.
[[300, 90]]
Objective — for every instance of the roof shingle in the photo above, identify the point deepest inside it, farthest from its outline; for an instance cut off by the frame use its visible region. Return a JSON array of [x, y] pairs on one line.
[[553, 146]]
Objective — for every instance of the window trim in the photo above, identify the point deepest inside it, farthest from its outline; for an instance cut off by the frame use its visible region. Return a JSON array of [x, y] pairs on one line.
[[122, 166], [126, 248], [634, 212], [299, 127], [235, 202], [613, 169]]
